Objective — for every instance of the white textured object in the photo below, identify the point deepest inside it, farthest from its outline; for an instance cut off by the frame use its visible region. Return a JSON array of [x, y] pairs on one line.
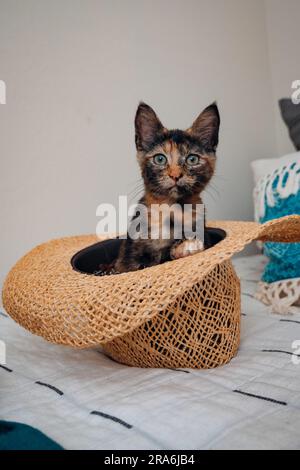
[[286, 169], [264, 166], [283, 296]]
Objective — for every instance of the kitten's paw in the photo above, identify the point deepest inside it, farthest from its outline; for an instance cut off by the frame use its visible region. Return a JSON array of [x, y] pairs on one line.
[[186, 248]]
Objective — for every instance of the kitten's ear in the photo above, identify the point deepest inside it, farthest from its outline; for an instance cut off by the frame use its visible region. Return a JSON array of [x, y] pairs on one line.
[[147, 127], [206, 127]]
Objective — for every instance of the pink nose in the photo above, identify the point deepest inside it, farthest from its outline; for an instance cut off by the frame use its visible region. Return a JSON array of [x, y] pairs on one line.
[[175, 177]]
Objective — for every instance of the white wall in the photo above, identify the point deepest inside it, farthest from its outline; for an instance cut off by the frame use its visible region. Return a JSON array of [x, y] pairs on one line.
[[75, 71], [283, 28]]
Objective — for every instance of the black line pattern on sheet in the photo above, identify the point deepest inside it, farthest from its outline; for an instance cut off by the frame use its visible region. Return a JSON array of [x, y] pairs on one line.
[[178, 370], [290, 321], [244, 314], [280, 351], [248, 295], [59, 392], [272, 400], [112, 418], [3, 315], [6, 368]]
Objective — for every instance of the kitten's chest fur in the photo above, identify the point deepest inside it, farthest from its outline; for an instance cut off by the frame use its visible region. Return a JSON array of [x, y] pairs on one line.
[[155, 249]]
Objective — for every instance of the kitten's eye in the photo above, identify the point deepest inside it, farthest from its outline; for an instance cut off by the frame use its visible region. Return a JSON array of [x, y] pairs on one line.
[[160, 159], [192, 159]]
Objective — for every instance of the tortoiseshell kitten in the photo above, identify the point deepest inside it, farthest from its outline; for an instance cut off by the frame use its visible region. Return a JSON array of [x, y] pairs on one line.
[[176, 166]]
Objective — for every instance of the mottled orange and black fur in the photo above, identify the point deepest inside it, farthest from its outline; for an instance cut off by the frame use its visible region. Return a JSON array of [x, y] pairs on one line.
[[175, 181]]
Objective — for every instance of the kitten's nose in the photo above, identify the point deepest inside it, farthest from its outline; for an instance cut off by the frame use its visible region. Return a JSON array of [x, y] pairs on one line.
[[175, 174], [175, 178]]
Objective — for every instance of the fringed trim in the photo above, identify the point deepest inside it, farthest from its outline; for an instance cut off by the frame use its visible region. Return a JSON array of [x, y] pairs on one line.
[[266, 191], [283, 296]]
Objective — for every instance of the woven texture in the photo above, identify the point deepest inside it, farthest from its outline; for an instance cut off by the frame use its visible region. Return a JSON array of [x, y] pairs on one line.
[[45, 295], [199, 330]]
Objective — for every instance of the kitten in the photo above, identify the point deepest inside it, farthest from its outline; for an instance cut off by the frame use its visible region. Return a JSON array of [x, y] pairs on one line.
[[176, 166]]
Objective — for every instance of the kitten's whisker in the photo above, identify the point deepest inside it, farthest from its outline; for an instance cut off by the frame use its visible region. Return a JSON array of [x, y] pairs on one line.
[[212, 196], [211, 186], [137, 187], [135, 195], [220, 177], [137, 191]]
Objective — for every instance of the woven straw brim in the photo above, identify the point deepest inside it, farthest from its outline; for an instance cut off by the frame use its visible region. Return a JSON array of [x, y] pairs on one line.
[[47, 296]]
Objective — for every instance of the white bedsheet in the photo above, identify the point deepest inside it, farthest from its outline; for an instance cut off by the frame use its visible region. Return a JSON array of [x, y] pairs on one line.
[[252, 402]]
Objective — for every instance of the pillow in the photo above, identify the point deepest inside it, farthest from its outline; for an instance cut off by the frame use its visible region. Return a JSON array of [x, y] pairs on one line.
[[265, 166], [290, 113], [277, 193]]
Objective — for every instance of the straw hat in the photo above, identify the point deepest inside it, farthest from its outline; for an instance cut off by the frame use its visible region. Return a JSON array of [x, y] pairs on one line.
[[183, 313]]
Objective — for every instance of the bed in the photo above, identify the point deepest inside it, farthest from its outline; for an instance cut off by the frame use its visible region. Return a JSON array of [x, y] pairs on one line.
[[85, 400]]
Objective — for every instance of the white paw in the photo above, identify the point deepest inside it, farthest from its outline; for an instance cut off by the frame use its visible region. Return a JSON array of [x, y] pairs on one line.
[[186, 248]]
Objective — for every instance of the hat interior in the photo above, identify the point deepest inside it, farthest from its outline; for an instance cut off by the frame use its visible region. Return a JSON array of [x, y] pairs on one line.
[[89, 259]]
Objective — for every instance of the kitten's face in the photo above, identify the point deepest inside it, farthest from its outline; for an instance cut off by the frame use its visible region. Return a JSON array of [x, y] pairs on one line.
[[176, 164]]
